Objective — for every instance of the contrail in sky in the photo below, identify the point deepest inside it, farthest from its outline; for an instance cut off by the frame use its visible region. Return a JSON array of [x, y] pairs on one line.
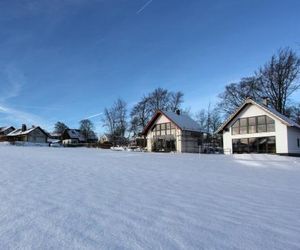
[[144, 7], [92, 116]]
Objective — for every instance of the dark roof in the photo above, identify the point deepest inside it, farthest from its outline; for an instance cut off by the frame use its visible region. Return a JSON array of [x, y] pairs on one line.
[[287, 121], [182, 121], [75, 134]]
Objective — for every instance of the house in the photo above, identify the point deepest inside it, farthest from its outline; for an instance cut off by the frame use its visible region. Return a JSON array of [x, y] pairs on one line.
[[75, 137], [104, 139], [257, 128], [72, 136], [33, 135], [4, 131], [169, 131]]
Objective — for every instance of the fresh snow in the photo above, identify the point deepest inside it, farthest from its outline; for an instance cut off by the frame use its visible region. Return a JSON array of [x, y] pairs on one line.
[[77, 198]]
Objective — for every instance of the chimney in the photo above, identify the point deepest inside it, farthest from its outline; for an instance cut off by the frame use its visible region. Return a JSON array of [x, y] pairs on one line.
[[24, 127], [266, 101], [177, 111]]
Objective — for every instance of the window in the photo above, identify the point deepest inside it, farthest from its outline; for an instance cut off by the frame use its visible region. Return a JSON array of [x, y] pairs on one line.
[[261, 120], [270, 124], [163, 129], [261, 128], [236, 128], [250, 125], [244, 126], [298, 142], [254, 145], [169, 126]]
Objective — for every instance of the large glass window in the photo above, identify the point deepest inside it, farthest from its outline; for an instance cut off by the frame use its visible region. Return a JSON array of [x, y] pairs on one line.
[[163, 129], [254, 145], [250, 125]]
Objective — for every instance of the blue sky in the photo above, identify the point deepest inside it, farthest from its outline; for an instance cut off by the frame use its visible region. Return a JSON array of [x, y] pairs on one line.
[[68, 59]]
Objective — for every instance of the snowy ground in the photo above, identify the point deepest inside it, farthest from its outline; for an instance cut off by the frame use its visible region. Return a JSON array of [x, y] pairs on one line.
[[54, 198]]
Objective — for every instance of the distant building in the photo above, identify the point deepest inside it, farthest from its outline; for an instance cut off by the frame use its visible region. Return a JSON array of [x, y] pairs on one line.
[[258, 128], [72, 136], [169, 131], [104, 139], [33, 135]]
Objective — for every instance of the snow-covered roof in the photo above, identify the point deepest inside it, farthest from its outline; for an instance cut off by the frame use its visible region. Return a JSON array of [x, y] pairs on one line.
[[3, 129], [268, 109], [19, 131], [183, 121], [55, 134]]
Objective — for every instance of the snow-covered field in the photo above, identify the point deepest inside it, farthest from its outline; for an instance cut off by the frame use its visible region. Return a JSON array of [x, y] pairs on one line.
[[63, 198]]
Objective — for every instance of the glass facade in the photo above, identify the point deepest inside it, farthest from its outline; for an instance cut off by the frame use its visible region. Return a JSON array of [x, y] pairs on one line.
[[254, 145], [164, 137], [251, 125]]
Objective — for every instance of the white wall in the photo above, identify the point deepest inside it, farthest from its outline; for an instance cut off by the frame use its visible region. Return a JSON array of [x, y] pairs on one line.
[[252, 110], [162, 119]]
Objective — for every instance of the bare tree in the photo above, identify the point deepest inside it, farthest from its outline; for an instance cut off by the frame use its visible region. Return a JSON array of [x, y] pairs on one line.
[[120, 109], [215, 120], [236, 93], [294, 113], [279, 78], [209, 119], [87, 129], [115, 121], [140, 115], [201, 118], [176, 99], [159, 99]]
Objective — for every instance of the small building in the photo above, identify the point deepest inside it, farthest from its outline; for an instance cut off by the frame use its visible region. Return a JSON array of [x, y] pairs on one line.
[[257, 128], [72, 136], [32, 135], [169, 131], [104, 138]]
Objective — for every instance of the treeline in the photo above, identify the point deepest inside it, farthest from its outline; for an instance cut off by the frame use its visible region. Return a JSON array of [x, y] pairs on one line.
[[277, 80]]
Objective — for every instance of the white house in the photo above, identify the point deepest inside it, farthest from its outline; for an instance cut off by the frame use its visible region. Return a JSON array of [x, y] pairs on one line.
[[258, 128], [169, 131]]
